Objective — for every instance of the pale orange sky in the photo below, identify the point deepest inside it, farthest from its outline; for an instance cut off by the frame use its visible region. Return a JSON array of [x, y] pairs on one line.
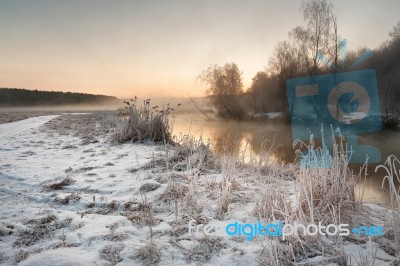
[[157, 48]]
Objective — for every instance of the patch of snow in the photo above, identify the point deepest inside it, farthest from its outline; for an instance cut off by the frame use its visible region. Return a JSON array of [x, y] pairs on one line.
[[274, 114]]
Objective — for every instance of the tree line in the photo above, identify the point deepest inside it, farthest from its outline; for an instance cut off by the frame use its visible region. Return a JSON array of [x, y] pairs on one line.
[[10, 97], [312, 49]]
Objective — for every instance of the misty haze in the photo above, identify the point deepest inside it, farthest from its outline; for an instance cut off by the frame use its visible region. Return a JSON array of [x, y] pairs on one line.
[[200, 133]]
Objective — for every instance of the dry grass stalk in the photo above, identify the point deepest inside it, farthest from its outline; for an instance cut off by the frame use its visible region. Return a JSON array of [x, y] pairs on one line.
[[144, 123]]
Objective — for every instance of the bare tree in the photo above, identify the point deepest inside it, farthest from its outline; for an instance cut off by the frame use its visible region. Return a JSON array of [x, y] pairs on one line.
[[316, 36], [395, 33], [334, 48], [284, 61], [262, 92], [224, 84]]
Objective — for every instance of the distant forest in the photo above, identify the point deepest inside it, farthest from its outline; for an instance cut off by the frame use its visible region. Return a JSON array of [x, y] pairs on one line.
[[11, 97]]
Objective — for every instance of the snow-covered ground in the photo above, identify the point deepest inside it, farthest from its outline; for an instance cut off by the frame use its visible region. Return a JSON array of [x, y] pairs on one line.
[[31, 159], [70, 197]]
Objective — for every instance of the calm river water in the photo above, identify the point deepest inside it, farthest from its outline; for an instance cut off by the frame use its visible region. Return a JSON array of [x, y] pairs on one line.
[[249, 136]]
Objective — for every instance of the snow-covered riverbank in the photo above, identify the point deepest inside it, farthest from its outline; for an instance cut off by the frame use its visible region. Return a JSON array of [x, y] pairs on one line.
[[70, 197]]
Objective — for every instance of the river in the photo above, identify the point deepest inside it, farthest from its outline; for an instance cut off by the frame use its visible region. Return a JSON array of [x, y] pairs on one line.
[[248, 137]]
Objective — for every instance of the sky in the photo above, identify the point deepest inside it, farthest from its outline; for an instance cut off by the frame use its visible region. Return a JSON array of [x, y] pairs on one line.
[[158, 48]]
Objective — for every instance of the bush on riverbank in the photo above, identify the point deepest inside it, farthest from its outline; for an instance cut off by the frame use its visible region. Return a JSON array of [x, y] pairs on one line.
[[141, 123]]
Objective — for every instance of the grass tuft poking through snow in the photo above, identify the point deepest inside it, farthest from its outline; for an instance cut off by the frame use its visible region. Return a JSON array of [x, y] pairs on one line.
[[40, 228], [327, 185], [391, 167], [144, 123], [111, 253], [61, 184]]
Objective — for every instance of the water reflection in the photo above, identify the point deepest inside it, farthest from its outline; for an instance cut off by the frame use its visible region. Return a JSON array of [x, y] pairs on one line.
[[235, 137], [247, 139]]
